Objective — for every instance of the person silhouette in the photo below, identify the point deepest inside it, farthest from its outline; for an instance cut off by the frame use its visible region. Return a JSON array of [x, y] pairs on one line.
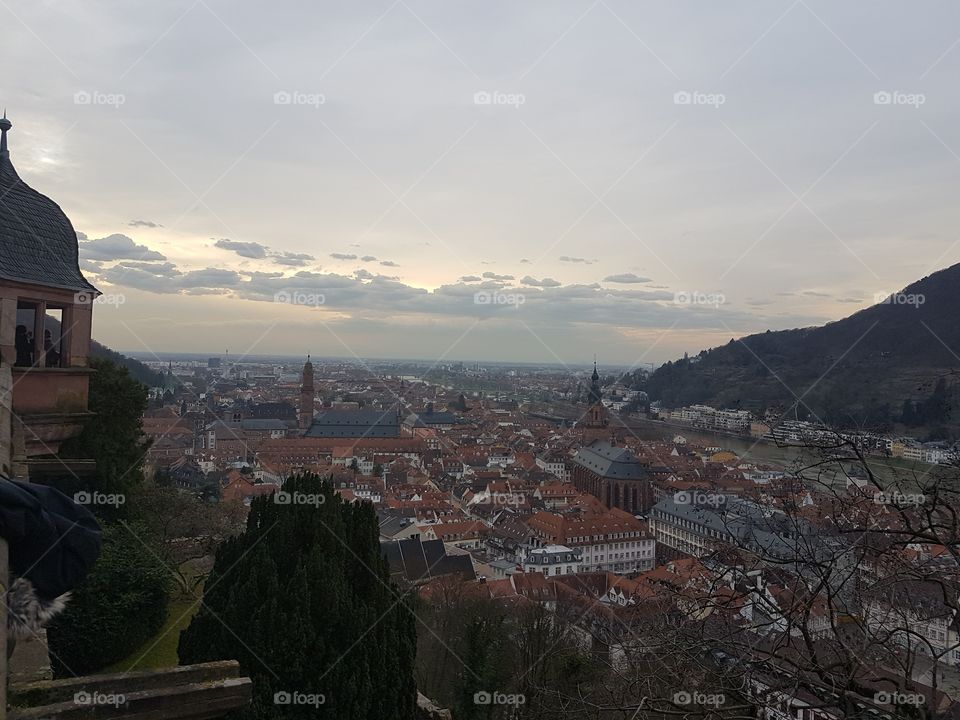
[[24, 347], [51, 356]]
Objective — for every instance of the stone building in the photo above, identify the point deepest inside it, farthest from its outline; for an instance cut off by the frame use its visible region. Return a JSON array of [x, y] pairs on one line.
[[614, 475]]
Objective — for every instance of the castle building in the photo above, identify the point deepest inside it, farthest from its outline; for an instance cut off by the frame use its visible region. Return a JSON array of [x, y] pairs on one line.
[[46, 309]]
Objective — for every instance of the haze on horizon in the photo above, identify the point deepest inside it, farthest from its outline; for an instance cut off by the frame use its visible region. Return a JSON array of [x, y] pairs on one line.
[[487, 181]]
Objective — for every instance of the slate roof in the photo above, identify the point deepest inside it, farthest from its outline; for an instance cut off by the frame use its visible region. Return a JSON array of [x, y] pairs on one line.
[[38, 244], [416, 561], [355, 424], [610, 461], [426, 419]]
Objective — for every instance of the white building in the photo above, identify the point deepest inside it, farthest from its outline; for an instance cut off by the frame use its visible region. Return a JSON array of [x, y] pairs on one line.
[[553, 560]]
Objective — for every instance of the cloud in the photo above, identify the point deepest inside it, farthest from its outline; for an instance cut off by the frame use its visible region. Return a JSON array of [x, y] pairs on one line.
[[91, 266], [168, 269], [244, 249], [545, 283], [626, 278], [493, 276], [579, 260], [814, 293], [343, 256], [524, 261], [116, 247], [389, 263], [144, 223], [291, 259], [470, 278], [368, 258]]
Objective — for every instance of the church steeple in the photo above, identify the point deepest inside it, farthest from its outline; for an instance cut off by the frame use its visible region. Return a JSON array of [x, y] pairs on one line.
[[595, 394], [306, 410]]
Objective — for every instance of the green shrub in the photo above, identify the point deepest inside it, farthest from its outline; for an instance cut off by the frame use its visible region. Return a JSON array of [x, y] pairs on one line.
[[120, 605]]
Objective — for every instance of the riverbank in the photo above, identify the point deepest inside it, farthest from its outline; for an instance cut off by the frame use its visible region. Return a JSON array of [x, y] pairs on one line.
[[887, 470]]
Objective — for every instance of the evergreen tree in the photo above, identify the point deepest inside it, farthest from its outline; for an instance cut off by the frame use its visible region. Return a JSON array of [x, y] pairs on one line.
[[303, 600], [115, 440]]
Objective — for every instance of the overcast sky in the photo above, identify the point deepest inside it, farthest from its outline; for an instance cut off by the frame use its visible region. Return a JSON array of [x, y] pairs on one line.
[[535, 181]]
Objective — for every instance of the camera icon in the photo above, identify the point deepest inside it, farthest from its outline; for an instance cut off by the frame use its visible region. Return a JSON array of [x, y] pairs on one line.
[[82, 97], [281, 497], [483, 298], [682, 498], [82, 498], [682, 298], [482, 698], [84, 297], [82, 698], [682, 698], [682, 97], [282, 697], [282, 98], [882, 98], [283, 297], [482, 98], [883, 698]]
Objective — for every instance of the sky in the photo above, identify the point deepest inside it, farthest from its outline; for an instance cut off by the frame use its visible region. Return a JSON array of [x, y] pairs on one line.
[[536, 181]]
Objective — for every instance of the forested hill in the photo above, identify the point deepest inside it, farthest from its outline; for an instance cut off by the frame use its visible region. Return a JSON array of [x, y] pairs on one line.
[[137, 369], [896, 361]]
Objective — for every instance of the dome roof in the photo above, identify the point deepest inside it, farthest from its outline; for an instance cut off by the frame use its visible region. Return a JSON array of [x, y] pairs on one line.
[[38, 244]]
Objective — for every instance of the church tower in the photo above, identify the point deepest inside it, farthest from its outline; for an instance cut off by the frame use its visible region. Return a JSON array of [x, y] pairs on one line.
[[596, 418], [305, 414], [596, 421]]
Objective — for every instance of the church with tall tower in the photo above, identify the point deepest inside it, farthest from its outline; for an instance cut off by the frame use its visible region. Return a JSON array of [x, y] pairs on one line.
[[596, 421], [307, 395]]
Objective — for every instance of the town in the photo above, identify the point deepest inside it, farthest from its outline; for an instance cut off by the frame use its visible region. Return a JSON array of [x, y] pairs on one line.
[[515, 503]]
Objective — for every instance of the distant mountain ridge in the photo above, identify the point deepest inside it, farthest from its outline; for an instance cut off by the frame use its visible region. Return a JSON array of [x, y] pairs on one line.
[[869, 369]]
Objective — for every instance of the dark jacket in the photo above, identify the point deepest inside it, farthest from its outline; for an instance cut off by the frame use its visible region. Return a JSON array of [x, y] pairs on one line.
[[53, 542]]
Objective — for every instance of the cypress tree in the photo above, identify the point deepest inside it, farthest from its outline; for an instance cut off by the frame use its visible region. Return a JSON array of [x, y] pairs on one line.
[[303, 600]]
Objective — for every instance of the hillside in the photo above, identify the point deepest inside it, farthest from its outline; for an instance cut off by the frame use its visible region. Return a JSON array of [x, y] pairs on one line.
[[897, 361], [138, 371]]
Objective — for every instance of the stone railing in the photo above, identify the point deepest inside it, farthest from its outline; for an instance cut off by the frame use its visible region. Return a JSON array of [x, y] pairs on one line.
[[189, 692]]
